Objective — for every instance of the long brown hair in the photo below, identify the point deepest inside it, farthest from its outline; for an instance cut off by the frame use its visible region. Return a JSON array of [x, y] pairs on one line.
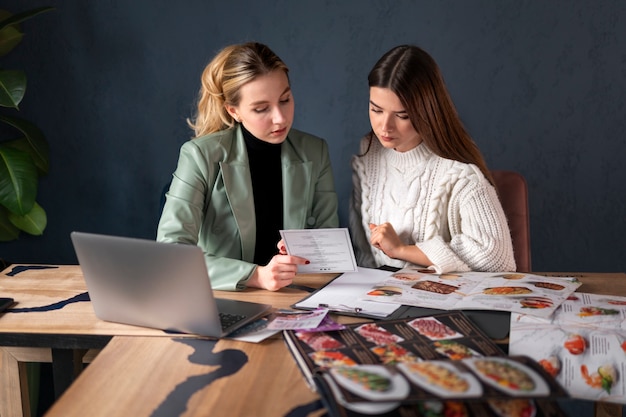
[[222, 79], [414, 76]]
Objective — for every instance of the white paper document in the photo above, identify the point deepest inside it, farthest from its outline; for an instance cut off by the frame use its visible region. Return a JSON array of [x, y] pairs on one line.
[[583, 345], [504, 291], [344, 294], [327, 250]]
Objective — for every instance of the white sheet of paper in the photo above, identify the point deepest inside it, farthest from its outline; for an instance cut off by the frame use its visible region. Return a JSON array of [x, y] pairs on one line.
[[345, 293], [328, 250]]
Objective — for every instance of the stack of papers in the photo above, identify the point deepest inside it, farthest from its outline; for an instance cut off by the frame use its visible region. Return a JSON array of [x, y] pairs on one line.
[[505, 291], [583, 345], [378, 293]]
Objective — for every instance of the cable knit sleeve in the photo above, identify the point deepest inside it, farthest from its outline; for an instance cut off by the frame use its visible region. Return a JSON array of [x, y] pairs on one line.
[[480, 239]]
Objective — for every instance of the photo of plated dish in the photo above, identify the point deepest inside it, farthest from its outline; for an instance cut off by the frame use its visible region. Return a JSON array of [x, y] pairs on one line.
[[536, 302], [507, 291], [372, 382], [377, 335], [454, 350], [510, 276], [393, 354], [548, 285], [319, 340], [508, 375], [435, 287], [385, 291], [518, 407], [442, 379], [403, 276], [365, 407], [588, 311], [433, 328], [328, 359]]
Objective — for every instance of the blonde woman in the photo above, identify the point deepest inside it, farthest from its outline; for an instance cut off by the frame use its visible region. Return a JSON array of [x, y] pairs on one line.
[[247, 173]]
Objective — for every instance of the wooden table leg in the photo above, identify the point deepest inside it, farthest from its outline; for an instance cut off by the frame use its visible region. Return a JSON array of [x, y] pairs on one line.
[[14, 395]]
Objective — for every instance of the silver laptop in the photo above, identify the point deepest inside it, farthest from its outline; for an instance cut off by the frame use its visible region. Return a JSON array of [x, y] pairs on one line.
[[159, 285]]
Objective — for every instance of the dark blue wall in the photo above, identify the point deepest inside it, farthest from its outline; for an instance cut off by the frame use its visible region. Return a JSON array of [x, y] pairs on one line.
[[540, 85]]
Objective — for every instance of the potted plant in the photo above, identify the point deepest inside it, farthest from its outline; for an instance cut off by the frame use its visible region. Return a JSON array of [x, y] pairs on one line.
[[23, 147]]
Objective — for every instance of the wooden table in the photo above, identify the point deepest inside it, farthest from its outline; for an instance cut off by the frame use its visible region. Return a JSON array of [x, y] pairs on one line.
[[53, 321], [146, 372], [158, 377]]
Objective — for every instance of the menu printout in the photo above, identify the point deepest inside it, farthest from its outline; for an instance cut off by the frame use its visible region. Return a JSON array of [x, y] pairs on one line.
[[327, 250], [399, 364], [583, 345], [505, 291]]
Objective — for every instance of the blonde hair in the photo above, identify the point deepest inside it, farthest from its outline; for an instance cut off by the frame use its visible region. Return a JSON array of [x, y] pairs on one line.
[[222, 79]]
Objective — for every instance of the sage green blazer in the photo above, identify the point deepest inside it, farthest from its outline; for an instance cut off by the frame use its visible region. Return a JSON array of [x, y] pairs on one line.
[[210, 201]]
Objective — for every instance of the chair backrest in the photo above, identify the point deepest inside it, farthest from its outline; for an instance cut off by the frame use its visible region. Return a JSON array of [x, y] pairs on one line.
[[513, 192]]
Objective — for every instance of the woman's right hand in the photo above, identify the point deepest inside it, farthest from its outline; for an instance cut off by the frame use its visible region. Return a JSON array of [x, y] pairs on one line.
[[278, 273]]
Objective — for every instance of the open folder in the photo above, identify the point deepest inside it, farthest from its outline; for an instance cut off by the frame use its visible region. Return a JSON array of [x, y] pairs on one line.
[[344, 295]]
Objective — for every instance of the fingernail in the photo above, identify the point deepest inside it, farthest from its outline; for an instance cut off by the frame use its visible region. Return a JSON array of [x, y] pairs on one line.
[[307, 262]]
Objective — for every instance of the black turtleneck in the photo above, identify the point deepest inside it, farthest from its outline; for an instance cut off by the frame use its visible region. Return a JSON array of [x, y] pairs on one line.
[[267, 188]]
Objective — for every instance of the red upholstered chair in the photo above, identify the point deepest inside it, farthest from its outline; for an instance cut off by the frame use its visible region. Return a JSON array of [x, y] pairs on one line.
[[513, 192]]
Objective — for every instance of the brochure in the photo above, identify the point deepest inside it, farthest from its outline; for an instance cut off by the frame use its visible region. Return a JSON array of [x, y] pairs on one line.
[[327, 250], [504, 291], [297, 319], [267, 326], [583, 345], [385, 364]]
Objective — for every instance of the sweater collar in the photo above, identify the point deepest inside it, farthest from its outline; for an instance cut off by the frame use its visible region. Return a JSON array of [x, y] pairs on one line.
[[412, 158]]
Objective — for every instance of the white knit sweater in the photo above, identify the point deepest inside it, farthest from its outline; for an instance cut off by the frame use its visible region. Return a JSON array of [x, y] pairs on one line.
[[447, 208]]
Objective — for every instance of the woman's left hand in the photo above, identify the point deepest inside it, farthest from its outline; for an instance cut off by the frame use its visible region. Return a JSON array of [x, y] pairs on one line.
[[384, 237]]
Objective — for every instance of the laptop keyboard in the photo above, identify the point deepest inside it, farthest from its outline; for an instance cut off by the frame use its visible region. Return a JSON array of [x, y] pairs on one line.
[[228, 319]]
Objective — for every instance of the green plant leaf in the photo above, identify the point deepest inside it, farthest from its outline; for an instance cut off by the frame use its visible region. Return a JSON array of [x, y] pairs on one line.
[[8, 231], [34, 141], [33, 223], [10, 33], [18, 180], [10, 37], [22, 160], [12, 87]]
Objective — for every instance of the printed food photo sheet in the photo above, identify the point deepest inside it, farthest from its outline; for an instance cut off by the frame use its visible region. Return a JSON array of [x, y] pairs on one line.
[[583, 345], [389, 363], [508, 291]]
